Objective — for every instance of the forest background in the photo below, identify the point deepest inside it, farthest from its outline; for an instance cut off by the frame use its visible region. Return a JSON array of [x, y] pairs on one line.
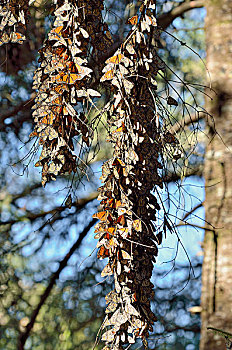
[[50, 276]]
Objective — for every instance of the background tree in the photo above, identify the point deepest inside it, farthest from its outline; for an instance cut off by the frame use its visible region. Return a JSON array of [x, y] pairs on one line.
[[217, 267]]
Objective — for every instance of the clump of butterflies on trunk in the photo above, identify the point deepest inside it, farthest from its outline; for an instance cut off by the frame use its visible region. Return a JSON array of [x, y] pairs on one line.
[[127, 233]]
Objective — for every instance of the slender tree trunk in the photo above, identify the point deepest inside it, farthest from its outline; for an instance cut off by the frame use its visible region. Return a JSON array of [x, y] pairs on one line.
[[217, 267]]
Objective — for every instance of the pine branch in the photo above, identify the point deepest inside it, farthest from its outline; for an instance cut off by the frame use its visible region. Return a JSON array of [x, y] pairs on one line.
[[226, 335], [24, 336], [221, 332]]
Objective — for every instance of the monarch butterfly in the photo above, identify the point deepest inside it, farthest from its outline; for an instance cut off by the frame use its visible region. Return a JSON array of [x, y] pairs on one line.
[[171, 101], [108, 75], [4, 39], [84, 33], [108, 35], [125, 255], [107, 271], [99, 234], [56, 30], [115, 59], [133, 20], [170, 138], [54, 168], [61, 9], [110, 203], [120, 129], [58, 89], [137, 225], [111, 230], [111, 307], [11, 21], [111, 296], [118, 204], [121, 220], [89, 92], [151, 20], [112, 243], [123, 232], [68, 201], [130, 49], [48, 119], [68, 78], [21, 17], [109, 335], [101, 215], [59, 51], [33, 134], [103, 253], [131, 309], [50, 132]]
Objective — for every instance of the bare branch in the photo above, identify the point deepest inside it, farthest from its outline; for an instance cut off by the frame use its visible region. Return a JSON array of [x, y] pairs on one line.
[[167, 18], [24, 336], [22, 105], [26, 191], [192, 210], [187, 120], [79, 204], [195, 226], [175, 176], [194, 329]]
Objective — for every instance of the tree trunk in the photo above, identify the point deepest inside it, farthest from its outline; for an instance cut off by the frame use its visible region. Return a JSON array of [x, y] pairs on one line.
[[217, 267]]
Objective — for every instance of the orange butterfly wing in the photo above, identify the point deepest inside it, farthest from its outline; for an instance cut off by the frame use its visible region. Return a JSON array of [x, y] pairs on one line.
[[101, 215], [108, 75], [133, 20], [102, 253], [115, 59]]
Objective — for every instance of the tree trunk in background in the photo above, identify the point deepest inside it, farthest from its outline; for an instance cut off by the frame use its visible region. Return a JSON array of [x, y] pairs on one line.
[[217, 267]]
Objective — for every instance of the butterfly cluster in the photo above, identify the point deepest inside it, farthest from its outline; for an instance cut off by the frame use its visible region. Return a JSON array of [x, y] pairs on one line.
[[126, 229], [13, 16], [62, 82]]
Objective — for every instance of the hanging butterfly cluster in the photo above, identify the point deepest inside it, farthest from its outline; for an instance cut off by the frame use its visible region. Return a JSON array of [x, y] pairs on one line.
[[61, 81], [126, 231], [13, 14]]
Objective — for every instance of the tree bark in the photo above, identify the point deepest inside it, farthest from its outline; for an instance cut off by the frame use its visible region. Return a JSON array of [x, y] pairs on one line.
[[217, 267]]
